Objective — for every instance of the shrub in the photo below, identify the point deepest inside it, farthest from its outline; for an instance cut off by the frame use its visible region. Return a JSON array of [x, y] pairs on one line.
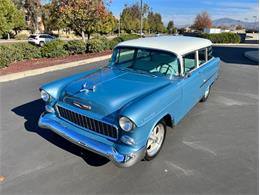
[[21, 36], [54, 49], [75, 47], [124, 37], [28, 51], [17, 52], [115, 41], [106, 43], [222, 37], [96, 45], [6, 56]]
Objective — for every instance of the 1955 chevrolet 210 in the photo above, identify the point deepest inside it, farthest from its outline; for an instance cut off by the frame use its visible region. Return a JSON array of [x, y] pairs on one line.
[[122, 110]]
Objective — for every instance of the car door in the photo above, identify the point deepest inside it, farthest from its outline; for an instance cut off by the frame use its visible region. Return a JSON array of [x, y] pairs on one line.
[[207, 67], [191, 82], [50, 38]]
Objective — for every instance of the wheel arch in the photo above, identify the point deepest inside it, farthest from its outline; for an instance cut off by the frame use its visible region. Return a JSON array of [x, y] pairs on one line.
[[169, 121]]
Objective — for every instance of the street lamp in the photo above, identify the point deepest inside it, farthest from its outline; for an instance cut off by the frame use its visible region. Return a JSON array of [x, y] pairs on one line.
[[119, 26], [141, 19]]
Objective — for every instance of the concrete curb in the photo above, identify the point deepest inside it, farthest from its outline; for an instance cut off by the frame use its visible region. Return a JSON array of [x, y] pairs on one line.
[[252, 55], [19, 75], [234, 44]]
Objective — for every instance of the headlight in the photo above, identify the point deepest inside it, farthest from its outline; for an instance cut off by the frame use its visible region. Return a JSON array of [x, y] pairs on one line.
[[126, 124], [45, 96]]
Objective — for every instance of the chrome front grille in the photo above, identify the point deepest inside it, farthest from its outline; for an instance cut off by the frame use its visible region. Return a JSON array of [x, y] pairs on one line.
[[88, 123]]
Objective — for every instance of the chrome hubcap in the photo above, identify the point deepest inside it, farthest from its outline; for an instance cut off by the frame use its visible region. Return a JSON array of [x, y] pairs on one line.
[[206, 92], [155, 140]]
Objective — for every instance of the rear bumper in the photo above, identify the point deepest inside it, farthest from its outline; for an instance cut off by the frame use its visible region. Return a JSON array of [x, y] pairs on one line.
[[67, 132]]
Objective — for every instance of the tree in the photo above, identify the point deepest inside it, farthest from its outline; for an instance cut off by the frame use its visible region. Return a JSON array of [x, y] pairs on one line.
[[131, 15], [83, 16], [51, 16], [202, 21], [239, 27], [155, 22], [10, 17], [33, 10], [170, 27], [19, 19], [108, 24]]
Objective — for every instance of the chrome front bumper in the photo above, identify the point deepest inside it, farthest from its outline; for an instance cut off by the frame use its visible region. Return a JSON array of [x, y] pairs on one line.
[[121, 160]]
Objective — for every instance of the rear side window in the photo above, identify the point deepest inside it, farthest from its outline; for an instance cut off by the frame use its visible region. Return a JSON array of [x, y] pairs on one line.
[[202, 56], [210, 53], [44, 36], [32, 36], [189, 62]]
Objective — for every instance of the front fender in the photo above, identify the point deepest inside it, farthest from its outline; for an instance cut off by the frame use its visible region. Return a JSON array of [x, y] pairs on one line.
[[54, 88], [154, 105]]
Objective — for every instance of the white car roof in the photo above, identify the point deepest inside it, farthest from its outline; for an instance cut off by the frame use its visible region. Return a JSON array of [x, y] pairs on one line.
[[176, 44]]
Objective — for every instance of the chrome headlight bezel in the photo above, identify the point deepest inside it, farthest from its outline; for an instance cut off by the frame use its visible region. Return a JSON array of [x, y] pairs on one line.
[[126, 124], [45, 96]]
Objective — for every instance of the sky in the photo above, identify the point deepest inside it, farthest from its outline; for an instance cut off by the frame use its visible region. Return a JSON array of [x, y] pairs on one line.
[[183, 12]]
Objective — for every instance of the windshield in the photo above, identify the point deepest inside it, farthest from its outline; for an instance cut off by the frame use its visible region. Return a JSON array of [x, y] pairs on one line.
[[149, 61]]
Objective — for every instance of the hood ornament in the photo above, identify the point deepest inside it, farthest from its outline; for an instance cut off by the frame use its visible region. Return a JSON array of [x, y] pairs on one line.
[[88, 88]]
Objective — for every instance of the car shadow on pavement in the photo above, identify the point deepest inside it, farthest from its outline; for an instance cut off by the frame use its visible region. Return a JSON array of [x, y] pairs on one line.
[[31, 112], [234, 55]]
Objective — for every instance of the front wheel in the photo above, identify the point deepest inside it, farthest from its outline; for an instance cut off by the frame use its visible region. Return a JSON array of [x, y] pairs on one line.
[[155, 141], [206, 95]]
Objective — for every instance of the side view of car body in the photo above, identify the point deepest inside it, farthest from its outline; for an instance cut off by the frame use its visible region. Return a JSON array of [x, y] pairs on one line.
[[122, 111], [40, 39]]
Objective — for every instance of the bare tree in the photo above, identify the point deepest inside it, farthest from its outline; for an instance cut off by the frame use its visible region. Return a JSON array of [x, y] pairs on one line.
[[202, 21]]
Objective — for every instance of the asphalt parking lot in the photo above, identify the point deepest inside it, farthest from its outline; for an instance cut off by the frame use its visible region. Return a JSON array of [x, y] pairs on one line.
[[214, 150]]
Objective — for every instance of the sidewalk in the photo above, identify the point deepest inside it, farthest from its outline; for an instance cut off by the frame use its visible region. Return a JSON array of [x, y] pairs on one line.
[[27, 73]]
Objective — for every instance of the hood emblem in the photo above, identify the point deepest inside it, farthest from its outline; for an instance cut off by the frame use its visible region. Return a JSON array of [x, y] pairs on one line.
[[88, 88], [82, 106]]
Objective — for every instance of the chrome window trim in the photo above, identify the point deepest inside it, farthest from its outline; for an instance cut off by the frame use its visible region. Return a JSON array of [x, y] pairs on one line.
[[206, 55], [113, 57], [197, 60], [194, 51]]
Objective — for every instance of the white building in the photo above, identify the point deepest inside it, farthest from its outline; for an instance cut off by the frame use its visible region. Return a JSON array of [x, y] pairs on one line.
[[215, 30]]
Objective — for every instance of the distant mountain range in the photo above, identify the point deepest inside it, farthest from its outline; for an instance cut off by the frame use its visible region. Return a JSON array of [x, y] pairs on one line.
[[231, 22]]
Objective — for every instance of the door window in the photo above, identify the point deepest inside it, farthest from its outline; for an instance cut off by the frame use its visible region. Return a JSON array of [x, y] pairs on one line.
[[189, 62], [202, 56], [210, 53]]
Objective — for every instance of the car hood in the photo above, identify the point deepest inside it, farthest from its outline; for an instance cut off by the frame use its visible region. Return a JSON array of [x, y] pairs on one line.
[[107, 90]]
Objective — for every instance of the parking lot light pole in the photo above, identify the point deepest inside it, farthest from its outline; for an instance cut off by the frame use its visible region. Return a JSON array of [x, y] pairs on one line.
[[141, 19], [119, 26]]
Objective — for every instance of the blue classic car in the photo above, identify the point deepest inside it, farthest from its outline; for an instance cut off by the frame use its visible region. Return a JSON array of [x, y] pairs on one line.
[[122, 110]]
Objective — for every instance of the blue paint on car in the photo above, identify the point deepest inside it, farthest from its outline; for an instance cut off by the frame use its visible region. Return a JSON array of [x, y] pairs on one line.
[[118, 110]]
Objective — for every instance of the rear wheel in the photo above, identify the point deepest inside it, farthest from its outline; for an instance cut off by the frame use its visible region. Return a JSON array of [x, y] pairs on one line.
[[41, 44], [206, 94], [155, 141]]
